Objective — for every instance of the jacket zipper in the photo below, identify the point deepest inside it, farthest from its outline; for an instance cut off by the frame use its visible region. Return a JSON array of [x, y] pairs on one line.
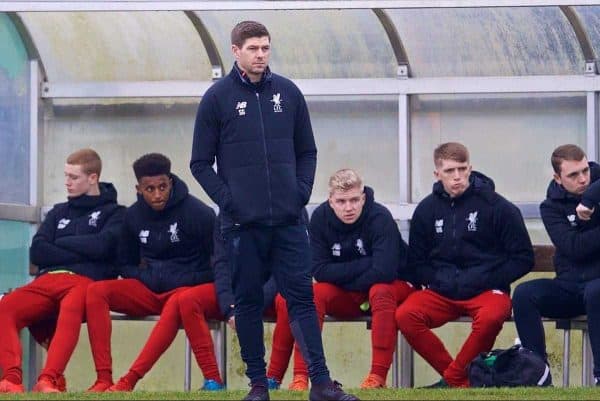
[[262, 126]]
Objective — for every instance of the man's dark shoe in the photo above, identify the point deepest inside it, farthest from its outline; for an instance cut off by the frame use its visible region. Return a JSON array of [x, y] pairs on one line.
[[439, 384], [329, 391], [258, 392]]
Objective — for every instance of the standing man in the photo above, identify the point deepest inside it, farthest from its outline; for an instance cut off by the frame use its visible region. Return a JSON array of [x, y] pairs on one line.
[[467, 245], [164, 249], [359, 262], [74, 246], [574, 228], [257, 127]]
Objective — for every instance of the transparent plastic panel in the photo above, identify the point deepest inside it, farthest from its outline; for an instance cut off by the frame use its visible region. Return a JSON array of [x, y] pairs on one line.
[[14, 115], [314, 44], [590, 18], [118, 46], [510, 137], [358, 133], [120, 134], [488, 41], [15, 238]]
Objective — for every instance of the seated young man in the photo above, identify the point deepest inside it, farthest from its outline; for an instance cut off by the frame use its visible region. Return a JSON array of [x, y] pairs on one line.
[[74, 245], [576, 288], [274, 307], [358, 257], [164, 249], [467, 245]]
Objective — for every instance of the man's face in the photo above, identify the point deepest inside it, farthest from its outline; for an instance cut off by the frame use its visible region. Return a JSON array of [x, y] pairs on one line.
[[78, 182], [347, 205], [574, 176], [155, 190], [453, 175], [253, 56]]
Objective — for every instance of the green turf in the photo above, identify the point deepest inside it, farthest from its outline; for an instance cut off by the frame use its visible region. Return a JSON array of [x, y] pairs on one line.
[[575, 393]]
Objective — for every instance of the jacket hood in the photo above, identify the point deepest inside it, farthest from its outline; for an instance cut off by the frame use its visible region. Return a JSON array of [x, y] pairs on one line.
[[343, 227], [479, 184], [556, 191], [179, 192], [108, 194]]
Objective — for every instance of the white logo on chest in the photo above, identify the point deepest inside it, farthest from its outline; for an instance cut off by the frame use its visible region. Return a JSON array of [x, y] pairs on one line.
[[277, 103], [439, 226], [571, 219], [62, 223], [173, 230], [472, 219], [241, 108], [144, 234], [360, 247], [336, 249], [93, 221]]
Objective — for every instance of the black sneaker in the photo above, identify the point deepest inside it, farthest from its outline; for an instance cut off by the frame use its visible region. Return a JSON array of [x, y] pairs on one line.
[[439, 384], [329, 391], [258, 392]]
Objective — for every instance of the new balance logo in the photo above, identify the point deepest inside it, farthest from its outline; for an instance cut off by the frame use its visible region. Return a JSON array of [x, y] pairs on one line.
[[336, 249], [62, 223], [241, 108], [144, 234]]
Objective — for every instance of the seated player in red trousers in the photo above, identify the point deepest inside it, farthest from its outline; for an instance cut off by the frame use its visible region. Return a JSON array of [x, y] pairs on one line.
[[358, 257], [164, 250], [74, 245], [274, 308], [467, 245]]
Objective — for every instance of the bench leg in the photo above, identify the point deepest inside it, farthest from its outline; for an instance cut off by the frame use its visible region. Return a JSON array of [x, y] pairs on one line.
[[34, 362], [587, 371], [566, 354], [406, 361], [395, 372], [187, 378]]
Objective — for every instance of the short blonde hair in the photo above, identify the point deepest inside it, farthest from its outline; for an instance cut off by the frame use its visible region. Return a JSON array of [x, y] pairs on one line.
[[344, 180]]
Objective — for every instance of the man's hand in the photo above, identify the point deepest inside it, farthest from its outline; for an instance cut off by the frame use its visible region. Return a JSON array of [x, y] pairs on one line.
[[583, 212], [231, 322]]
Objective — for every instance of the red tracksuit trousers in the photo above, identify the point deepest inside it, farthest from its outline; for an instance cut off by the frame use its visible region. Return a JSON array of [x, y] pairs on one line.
[[427, 309], [52, 294], [383, 298], [190, 306]]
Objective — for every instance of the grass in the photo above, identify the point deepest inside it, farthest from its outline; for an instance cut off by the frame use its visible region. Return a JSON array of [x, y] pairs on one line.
[[522, 393]]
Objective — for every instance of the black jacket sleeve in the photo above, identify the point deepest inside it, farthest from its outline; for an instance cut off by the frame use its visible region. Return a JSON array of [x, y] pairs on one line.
[[420, 241], [324, 270], [591, 196], [512, 233], [385, 258], [569, 240], [99, 246], [305, 149], [223, 283], [204, 150], [128, 252], [44, 252]]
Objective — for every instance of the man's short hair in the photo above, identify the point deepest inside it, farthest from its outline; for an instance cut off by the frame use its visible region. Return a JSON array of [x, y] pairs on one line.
[[151, 165], [450, 151], [248, 29], [344, 180], [566, 152], [88, 159]]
